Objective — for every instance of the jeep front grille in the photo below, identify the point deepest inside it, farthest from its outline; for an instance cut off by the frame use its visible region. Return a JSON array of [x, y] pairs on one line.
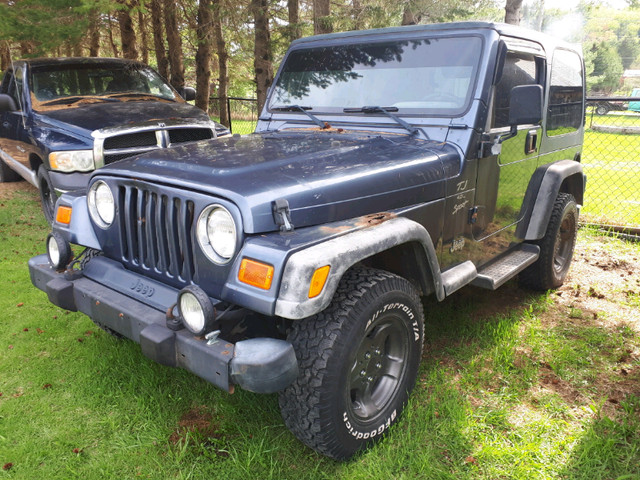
[[155, 233], [116, 147]]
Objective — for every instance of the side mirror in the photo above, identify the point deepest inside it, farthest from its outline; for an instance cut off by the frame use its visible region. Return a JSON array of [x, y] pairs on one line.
[[525, 105], [188, 93], [7, 103]]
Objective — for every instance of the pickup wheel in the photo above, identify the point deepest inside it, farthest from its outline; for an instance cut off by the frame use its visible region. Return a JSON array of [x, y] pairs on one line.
[[358, 360], [6, 174], [602, 109], [48, 195], [556, 247]]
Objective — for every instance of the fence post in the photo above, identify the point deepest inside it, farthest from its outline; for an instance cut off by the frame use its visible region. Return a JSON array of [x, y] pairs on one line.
[[229, 113]]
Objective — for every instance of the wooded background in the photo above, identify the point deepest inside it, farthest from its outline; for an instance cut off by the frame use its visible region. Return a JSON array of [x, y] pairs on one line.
[[232, 48]]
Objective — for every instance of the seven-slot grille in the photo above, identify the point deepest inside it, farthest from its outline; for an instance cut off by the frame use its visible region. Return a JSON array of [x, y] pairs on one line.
[[117, 147], [156, 233]]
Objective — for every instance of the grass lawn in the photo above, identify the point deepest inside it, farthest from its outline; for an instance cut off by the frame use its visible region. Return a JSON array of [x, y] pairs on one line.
[[512, 385]]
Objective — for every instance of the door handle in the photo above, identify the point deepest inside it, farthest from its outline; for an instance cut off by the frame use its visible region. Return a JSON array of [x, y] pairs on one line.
[[531, 142], [6, 124]]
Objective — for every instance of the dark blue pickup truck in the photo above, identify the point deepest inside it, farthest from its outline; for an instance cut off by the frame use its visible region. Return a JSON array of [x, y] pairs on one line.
[[387, 165], [62, 118]]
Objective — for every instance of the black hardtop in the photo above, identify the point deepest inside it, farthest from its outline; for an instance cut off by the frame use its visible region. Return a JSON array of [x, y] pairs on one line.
[[547, 41]]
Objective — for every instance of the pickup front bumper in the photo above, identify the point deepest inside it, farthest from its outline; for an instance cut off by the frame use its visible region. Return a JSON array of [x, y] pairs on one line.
[[262, 365]]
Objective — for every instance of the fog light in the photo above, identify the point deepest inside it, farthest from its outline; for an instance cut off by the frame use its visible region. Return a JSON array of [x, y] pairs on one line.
[[58, 251], [196, 310]]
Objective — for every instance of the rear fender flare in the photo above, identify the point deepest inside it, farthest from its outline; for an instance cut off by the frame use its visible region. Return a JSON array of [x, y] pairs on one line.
[[566, 176]]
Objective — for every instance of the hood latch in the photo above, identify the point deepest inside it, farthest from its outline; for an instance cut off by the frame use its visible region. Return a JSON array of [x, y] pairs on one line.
[[282, 214]]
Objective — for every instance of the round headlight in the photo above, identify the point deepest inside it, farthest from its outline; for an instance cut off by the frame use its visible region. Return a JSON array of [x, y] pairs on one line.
[[217, 233], [102, 207], [58, 251], [196, 310]]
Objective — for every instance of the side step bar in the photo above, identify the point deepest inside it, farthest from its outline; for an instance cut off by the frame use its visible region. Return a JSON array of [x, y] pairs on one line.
[[505, 268]]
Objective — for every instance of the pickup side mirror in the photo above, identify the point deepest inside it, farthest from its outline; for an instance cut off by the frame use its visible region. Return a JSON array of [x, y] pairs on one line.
[[525, 105], [188, 93], [7, 103]]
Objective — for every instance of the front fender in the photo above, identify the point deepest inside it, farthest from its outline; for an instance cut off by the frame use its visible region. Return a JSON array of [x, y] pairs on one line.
[[80, 230], [341, 253]]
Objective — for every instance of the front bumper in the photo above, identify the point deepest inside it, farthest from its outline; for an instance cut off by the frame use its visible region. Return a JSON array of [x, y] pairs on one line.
[[262, 365]]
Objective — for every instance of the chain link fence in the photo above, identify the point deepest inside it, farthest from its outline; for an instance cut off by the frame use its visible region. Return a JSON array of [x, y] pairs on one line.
[[611, 160], [611, 156], [243, 113]]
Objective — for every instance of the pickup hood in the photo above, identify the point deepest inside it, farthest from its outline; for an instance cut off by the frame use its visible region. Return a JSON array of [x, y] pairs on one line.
[[325, 176], [89, 117]]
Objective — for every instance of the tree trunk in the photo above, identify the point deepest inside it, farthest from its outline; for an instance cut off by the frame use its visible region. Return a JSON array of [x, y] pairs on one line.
[[142, 26], [262, 50], [540, 19], [513, 13], [158, 38], [357, 14], [94, 34], [114, 47], [409, 15], [293, 7], [176, 78], [322, 17], [223, 71], [203, 54], [127, 33], [5, 55]]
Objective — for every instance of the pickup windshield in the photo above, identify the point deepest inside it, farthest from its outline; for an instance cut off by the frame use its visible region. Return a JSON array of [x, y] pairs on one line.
[[427, 76], [58, 85]]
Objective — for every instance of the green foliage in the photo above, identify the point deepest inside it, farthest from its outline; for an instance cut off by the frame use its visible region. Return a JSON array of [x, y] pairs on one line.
[[606, 67], [43, 24]]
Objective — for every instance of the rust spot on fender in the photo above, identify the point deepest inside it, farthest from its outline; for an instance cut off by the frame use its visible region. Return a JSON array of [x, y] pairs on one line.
[[375, 219]]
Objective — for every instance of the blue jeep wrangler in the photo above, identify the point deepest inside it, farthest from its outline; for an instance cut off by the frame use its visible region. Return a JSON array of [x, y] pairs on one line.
[[387, 165], [61, 118]]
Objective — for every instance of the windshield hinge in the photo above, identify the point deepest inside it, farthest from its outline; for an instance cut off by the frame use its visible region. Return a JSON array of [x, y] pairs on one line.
[[282, 214]]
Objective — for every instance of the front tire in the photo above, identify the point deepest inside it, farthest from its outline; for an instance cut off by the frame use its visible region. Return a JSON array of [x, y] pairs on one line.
[[48, 196], [358, 360], [556, 247]]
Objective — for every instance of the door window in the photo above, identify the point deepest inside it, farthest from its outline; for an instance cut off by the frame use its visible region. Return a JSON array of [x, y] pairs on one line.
[[519, 69]]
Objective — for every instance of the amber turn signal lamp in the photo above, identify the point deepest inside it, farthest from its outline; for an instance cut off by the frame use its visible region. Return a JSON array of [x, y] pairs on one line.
[[318, 280], [256, 274], [63, 215]]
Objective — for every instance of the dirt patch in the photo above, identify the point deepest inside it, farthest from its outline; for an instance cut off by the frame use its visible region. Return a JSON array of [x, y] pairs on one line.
[[8, 190], [198, 424]]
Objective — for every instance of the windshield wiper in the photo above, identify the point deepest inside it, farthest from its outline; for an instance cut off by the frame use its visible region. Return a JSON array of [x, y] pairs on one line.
[[300, 108], [71, 100], [387, 111]]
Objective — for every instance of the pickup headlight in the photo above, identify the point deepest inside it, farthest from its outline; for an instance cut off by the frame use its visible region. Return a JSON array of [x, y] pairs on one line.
[[102, 207], [216, 233], [72, 161]]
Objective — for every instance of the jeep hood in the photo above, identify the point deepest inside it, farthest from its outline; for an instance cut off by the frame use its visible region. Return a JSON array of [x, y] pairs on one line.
[[325, 176], [94, 116]]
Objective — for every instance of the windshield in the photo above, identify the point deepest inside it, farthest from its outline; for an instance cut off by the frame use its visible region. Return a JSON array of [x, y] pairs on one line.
[[62, 84], [421, 76]]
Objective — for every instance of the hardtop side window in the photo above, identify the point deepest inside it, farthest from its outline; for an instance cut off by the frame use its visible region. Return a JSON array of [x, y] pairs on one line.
[[519, 69], [566, 94]]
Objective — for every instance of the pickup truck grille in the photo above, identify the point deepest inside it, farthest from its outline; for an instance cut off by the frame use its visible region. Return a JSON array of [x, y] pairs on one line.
[[119, 146], [155, 233]]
